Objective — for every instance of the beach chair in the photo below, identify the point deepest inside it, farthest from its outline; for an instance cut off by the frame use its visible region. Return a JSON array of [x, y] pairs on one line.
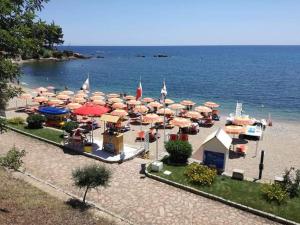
[[173, 137], [241, 149], [140, 136], [184, 137]]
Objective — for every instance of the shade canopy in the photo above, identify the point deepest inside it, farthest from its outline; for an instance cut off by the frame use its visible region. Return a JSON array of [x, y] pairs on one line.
[[176, 106], [243, 121], [110, 118], [114, 100], [151, 118], [129, 97], [165, 111], [180, 122], [234, 129], [63, 96], [203, 109], [118, 105], [211, 104], [53, 110], [74, 105], [98, 93], [91, 110], [25, 96], [41, 89], [133, 102], [193, 115], [155, 104], [119, 112], [40, 99], [187, 103], [169, 101], [113, 95], [141, 109], [147, 100], [66, 92]]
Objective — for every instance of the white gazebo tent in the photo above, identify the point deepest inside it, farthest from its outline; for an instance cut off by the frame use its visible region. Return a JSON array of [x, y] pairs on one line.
[[214, 151]]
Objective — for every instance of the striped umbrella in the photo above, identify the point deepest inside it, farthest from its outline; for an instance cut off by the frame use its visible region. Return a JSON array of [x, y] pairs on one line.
[[203, 109], [211, 104]]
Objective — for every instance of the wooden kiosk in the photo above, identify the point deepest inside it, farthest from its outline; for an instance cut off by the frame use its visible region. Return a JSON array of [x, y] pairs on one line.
[[112, 139]]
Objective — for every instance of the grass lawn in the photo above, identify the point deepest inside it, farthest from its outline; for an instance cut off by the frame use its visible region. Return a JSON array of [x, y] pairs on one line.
[[47, 133], [23, 204], [244, 192]]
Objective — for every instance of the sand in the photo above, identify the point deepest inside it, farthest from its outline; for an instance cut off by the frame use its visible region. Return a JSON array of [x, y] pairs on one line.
[[281, 144]]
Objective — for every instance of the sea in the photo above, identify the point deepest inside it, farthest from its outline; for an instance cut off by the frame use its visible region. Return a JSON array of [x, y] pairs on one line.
[[266, 79]]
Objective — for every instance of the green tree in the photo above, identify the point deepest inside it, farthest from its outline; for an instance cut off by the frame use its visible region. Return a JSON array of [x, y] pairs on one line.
[[91, 176], [54, 35]]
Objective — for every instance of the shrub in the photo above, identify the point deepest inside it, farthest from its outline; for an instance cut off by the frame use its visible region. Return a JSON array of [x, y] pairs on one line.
[[13, 158], [70, 126], [57, 54], [46, 53], [16, 120], [200, 174], [91, 176], [68, 53], [274, 193], [179, 151], [291, 182], [3, 123], [35, 121]]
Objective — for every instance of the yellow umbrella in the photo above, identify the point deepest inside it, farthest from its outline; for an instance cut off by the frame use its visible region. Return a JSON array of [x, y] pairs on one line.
[[119, 112], [141, 109], [147, 100], [180, 122], [155, 104], [118, 105], [211, 104], [165, 111], [193, 115], [73, 105], [203, 109], [63, 97]]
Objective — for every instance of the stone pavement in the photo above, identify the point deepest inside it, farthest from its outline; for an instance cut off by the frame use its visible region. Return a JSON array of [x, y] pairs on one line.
[[140, 200]]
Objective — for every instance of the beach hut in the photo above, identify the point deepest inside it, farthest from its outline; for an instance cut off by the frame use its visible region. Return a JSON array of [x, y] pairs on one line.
[[55, 117], [214, 150]]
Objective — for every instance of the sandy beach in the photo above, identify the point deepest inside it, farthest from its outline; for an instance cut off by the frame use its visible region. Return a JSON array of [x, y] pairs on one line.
[[280, 142]]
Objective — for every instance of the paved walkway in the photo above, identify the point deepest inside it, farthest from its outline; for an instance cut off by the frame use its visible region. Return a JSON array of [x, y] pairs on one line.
[[143, 201]]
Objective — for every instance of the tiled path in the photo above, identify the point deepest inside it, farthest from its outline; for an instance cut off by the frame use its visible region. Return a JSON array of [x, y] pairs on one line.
[[142, 201]]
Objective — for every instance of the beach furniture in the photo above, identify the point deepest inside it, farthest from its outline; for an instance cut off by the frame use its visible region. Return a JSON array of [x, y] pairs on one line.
[[173, 137], [253, 131], [183, 137], [140, 136]]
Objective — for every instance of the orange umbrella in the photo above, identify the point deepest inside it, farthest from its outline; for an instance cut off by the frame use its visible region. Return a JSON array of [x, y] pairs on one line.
[[180, 122], [114, 100], [165, 111], [73, 105], [234, 129], [243, 121], [66, 92], [63, 97], [113, 95], [79, 100], [147, 100], [129, 97], [97, 97], [169, 101], [151, 118], [40, 99], [119, 112], [141, 109], [211, 104], [176, 106], [99, 102], [55, 102], [41, 89], [187, 103], [155, 105], [193, 115], [118, 105], [133, 102], [98, 93], [203, 109]]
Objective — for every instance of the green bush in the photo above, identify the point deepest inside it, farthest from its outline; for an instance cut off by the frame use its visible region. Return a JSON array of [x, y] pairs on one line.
[[46, 53], [70, 126], [16, 120], [179, 151], [57, 54], [13, 158], [200, 174], [274, 193], [291, 182], [35, 121], [3, 123]]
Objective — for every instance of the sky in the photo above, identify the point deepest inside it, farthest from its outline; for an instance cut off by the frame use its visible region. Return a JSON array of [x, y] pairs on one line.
[[176, 22]]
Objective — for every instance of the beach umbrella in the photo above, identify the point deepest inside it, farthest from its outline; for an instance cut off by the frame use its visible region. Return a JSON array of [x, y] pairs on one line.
[[114, 100], [147, 100], [133, 102], [193, 115], [40, 99], [165, 111], [79, 100], [231, 129], [119, 112], [141, 109], [168, 101], [41, 89], [203, 109], [176, 106], [63, 97], [243, 121], [211, 104], [98, 93], [99, 102], [129, 97], [97, 97], [155, 105], [151, 118], [113, 95], [180, 122], [91, 110], [73, 105], [81, 95], [118, 105], [48, 94], [55, 102], [50, 88], [25, 96], [66, 92], [187, 103]]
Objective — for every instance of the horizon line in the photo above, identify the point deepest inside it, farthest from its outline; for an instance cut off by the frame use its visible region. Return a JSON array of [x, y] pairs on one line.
[[208, 45]]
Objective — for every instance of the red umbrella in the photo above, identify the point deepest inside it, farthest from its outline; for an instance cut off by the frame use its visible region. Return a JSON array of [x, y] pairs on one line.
[[91, 110]]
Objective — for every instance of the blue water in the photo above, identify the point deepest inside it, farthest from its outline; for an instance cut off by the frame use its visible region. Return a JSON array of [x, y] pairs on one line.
[[265, 78]]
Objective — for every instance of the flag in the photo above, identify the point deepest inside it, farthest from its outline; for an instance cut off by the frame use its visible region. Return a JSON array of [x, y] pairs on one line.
[[163, 93], [139, 91], [86, 85]]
